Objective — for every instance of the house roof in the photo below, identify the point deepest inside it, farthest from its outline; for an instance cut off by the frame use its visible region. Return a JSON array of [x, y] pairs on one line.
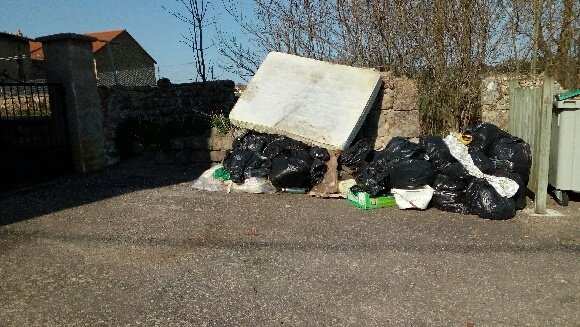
[[14, 37], [103, 37]]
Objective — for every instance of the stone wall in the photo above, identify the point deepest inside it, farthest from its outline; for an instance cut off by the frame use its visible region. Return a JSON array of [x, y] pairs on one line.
[[160, 103], [201, 151], [395, 112], [495, 95]]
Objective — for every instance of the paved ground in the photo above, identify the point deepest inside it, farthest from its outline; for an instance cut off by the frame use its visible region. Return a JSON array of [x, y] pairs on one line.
[[139, 247]]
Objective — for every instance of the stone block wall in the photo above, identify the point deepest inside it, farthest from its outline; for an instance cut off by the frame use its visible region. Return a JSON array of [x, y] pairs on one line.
[[395, 111], [201, 151], [495, 95], [161, 103]]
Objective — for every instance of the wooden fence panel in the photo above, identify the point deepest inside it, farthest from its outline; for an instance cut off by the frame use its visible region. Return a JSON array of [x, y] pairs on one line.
[[530, 118]]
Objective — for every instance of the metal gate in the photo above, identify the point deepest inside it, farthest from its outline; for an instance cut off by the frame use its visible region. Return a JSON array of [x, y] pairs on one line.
[[34, 143]]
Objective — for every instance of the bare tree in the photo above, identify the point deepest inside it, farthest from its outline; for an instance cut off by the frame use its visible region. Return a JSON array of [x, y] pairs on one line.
[[447, 45], [195, 12]]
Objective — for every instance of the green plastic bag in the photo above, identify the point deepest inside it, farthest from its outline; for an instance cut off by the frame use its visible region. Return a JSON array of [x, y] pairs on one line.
[[221, 174]]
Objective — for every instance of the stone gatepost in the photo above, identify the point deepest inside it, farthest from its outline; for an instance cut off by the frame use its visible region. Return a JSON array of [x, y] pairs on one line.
[[68, 60]]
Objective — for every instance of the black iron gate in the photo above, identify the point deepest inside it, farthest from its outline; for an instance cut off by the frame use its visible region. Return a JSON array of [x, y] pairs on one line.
[[34, 143]]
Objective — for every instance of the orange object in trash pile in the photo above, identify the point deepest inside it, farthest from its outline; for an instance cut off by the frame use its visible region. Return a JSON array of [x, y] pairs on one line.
[[464, 138]]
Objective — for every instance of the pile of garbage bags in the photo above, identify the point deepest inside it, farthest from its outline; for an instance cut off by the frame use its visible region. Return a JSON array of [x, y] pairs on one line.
[[486, 177], [286, 163], [483, 171]]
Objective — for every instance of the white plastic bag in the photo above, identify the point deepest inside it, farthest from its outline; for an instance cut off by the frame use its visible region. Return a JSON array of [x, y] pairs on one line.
[[206, 181], [504, 186], [418, 198], [252, 185], [344, 186]]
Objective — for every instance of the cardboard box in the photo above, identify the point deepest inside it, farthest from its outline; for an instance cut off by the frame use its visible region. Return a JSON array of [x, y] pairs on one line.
[[364, 201]]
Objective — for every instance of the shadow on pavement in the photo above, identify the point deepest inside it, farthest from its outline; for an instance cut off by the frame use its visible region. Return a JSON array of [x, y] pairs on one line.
[[75, 190]]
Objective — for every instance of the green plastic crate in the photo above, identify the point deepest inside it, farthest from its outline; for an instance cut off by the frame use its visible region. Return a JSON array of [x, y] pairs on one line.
[[364, 201]]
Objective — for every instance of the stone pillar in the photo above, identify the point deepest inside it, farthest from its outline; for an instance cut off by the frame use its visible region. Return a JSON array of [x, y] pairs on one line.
[[68, 60]]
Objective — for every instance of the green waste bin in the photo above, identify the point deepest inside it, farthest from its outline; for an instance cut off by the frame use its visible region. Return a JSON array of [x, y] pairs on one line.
[[564, 172]]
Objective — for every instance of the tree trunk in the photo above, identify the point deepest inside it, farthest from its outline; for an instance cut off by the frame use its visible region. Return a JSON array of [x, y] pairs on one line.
[[537, 18], [564, 44]]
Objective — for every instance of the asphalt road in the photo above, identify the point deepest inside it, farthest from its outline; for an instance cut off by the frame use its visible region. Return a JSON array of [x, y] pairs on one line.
[[137, 246]]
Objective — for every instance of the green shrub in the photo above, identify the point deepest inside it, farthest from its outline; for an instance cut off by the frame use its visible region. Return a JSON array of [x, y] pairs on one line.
[[221, 123]]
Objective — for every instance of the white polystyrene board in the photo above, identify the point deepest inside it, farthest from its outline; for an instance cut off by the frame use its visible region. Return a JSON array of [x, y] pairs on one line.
[[313, 101], [418, 198]]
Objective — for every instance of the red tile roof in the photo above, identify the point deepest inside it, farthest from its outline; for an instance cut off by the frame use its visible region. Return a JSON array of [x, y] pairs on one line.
[[103, 38]]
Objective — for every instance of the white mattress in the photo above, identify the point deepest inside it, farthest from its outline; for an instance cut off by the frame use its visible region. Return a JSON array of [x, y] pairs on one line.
[[316, 102]]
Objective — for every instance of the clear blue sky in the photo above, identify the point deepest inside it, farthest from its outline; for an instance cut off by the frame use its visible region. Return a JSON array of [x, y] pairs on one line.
[[155, 29]]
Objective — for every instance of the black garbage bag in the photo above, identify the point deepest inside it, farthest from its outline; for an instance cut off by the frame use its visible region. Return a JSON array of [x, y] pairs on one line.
[[319, 153], [482, 162], [356, 154], [484, 135], [447, 183], [437, 152], [291, 169], [514, 155], [457, 171], [257, 166], [446, 197], [520, 196], [235, 162], [317, 171], [459, 207], [482, 199], [243, 164], [411, 173], [374, 178], [252, 141], [237, 142], [401, 148], [451, 201], [281, 144]]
